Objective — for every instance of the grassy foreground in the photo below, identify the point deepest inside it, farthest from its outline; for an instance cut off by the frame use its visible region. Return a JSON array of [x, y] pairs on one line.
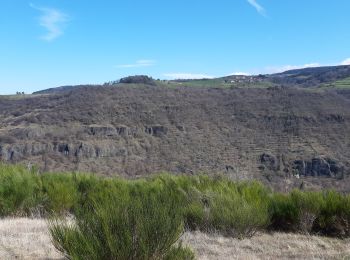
[[132, 219], [28, 238]]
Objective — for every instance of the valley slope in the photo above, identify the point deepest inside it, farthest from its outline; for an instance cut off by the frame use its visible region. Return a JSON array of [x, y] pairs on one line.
[[286, 137]]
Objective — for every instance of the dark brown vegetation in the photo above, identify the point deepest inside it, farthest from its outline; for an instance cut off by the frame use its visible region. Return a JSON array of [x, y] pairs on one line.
[[139, 79], [285, 137]]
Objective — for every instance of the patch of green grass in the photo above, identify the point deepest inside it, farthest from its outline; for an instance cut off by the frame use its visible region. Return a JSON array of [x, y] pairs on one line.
[[220, 83], [345, 83], [341, 84], [16, 97], [203, 83]]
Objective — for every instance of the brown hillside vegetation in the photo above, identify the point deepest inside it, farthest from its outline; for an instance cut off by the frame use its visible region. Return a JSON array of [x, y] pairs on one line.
[[285, 137]]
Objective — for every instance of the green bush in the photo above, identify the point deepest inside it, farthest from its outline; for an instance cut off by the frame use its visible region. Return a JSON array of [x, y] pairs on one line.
[[283, 212], [202, 202], [220, 205], [180, 253], [60, 191], [195, 216], [141, 220], [296, 211], [20, 191], [234, 216], [334, 217], [309, 205]]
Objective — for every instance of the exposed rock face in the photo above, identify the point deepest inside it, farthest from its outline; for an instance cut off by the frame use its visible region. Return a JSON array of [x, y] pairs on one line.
[[101, 131], [270, 134], [156, 130], [319, 167], [269, 161]]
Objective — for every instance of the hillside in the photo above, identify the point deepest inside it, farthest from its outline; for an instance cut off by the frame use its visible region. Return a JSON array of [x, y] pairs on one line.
[[316, 77], [61, 89], [286, 137], [312, 77]]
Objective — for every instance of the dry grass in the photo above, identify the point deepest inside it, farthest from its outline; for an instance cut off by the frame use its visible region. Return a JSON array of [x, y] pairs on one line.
[[29, 239], [23, 238], [267, 246]]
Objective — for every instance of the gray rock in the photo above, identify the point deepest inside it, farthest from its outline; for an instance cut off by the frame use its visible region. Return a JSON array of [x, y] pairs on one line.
[[269, 161], [318, 167]]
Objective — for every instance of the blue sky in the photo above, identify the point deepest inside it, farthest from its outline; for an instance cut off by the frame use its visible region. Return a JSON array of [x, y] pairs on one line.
[[61, 42]]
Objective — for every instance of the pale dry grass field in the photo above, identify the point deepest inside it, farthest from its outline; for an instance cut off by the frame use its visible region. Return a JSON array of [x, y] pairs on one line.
[[23, 238], [267, 246]]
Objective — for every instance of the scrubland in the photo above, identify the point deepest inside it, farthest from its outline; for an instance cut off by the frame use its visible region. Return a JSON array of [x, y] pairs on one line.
[[167, 217]]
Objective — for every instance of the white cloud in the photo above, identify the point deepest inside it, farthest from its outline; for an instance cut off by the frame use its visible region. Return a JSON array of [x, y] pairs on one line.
[[290, 67], [278, 69], [187, 76], [310, 65], [239, 73], [258, 7], [345, 62], [138, 64], [53, 20]]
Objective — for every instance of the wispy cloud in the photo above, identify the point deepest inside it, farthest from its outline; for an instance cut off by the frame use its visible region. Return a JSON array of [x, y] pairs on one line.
[[138, 64], [282, 68], [258, 7], [53, 20], [240, 73], [345, 62], [277, 69], [187, 76]]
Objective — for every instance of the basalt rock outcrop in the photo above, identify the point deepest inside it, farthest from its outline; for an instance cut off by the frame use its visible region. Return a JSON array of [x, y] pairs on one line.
[[319, 167], [284, 137], [314, 167]]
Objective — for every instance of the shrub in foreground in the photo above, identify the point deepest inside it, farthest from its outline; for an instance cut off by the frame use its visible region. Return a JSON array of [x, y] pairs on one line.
[[20, 191], [142, 222], [334, 217], [296, 211], [223, 206], [237, 217], [204, 203], [60, 191], [326, 213]]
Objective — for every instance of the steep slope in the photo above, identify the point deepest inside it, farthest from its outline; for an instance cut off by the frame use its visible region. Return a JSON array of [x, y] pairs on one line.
[[285, 137]]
